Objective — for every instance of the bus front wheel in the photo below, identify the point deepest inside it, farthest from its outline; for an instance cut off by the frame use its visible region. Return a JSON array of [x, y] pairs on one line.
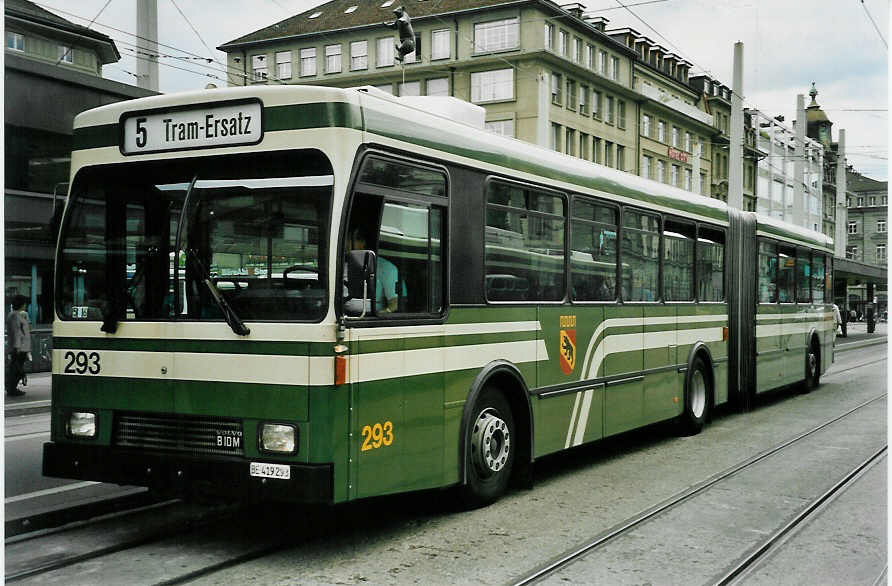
[[812, 367], [696, 399], [491, 446]]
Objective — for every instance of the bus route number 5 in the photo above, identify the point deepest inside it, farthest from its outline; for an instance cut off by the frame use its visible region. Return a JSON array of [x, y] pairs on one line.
[[82, 363], [142, 135]]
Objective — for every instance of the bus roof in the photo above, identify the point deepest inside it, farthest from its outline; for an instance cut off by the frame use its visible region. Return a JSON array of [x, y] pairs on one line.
[[391, 121]]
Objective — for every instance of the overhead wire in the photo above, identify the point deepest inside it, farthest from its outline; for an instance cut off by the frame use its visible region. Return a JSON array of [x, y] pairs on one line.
[[873, 22]]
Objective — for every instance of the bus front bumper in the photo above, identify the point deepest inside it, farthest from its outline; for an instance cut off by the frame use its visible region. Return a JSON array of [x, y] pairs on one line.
[[183, 474]]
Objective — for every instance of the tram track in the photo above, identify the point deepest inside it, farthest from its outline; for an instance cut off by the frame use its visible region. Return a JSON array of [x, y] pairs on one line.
[[739, 572], [177, 519], [625, 528]]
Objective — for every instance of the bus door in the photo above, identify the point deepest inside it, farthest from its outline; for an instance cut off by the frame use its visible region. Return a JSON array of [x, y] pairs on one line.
[[396, 334]]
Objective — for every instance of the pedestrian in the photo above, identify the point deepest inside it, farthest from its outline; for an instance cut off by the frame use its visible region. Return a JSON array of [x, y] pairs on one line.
[[18, 339], [837, 318]]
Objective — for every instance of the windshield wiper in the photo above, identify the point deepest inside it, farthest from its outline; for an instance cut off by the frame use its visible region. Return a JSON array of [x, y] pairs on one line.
[[237, 325]]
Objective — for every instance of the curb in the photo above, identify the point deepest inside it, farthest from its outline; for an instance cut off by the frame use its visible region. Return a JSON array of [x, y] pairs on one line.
[[29, 408], [859, 344]]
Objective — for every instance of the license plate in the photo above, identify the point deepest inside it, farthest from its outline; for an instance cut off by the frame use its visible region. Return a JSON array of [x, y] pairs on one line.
[[262, 470]]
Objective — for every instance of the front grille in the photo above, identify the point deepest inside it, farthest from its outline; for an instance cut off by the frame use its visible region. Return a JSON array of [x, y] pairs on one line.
[[179, 433]]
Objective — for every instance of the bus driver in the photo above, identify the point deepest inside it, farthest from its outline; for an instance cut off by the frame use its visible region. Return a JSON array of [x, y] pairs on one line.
[[387, 278]]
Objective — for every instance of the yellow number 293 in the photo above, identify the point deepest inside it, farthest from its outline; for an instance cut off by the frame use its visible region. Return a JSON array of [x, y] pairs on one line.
[[377, 435]]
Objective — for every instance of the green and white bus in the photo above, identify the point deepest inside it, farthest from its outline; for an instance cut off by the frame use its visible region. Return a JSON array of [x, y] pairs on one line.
[[317, 294]]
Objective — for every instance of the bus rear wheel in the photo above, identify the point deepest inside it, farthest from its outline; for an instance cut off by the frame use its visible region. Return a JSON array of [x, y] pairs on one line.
[[490, 449], [696, 399]]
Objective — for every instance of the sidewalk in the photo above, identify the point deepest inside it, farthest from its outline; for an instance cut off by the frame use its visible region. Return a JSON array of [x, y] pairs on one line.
[[36, 398]]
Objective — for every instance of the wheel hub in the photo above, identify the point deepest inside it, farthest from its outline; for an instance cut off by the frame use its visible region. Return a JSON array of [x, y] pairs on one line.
[[698, 394], [490, 443]]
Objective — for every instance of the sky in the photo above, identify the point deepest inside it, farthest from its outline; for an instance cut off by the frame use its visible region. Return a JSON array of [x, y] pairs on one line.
[[840, 45]]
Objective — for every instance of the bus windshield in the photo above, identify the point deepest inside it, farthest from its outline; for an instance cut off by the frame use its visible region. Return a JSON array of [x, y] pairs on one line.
[[255, 232]]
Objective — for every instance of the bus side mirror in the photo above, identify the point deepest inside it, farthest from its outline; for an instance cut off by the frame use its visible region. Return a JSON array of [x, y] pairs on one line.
[[361, 268]]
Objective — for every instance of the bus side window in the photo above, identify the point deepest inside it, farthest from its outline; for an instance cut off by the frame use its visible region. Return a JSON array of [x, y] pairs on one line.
[[767, 272]]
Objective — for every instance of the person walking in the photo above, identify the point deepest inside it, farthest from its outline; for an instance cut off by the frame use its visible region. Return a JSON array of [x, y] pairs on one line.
[[837, 318], [18, 339]]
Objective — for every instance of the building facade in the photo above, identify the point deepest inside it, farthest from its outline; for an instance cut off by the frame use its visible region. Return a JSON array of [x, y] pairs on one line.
[[867, 235], [545, 74], [777, 180], [52, 73]]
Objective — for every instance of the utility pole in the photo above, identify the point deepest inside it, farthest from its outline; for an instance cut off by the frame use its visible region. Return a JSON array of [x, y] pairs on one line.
[[735, 153], [147, 44], [842, 212], [800, 211]]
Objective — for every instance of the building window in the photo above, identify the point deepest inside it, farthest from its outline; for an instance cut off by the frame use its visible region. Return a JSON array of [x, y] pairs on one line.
[[852, 252], [602, 63], [872, 200], [577, 50], [308, 62], [570, 142], [385, 87], [860, 202], [661, 131], [571, 94], [687, 142], [853, 227], [608, 153], [596, 104], [614, 68], [881, 253], [333, 59], [438, 87], [500, 127], [258, 67], [563, 43], [487, 86], [620, 157], [621, 114], [555, 137], [673, 179], [688, 179], [556, 89], [646, 162], [583, 100], [596, 150], [66, 54], [645, 125], [15, 41], [881, 226], [584, 151], [589, 56], [283, 65], [497, 35], [675, 136], [440, 48], [608, 117], [661, 171], [359, 55], [409, 88], [385, 52], [549, 36]]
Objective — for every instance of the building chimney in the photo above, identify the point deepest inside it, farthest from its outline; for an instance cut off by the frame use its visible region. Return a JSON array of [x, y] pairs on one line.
[[599, 22], [576, 9]]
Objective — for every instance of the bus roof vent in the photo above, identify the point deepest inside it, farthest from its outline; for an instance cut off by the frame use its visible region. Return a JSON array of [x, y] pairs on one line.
[[448, 107]]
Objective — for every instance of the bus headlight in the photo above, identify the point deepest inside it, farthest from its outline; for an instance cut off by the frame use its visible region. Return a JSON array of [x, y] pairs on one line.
[[275, 437], [81, 424]]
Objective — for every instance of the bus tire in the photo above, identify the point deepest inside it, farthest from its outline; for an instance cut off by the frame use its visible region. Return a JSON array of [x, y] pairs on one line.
[[812, 367], [697, 395], [491, 443]]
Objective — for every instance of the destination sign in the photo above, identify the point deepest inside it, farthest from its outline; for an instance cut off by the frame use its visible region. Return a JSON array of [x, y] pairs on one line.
[[203, 127]]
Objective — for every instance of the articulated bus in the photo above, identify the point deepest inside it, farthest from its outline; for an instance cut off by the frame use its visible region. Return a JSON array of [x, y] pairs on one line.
[[320, 295]]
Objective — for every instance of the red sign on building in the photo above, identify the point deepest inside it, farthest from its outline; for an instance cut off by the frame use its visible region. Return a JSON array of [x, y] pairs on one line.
[[678, 155]]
